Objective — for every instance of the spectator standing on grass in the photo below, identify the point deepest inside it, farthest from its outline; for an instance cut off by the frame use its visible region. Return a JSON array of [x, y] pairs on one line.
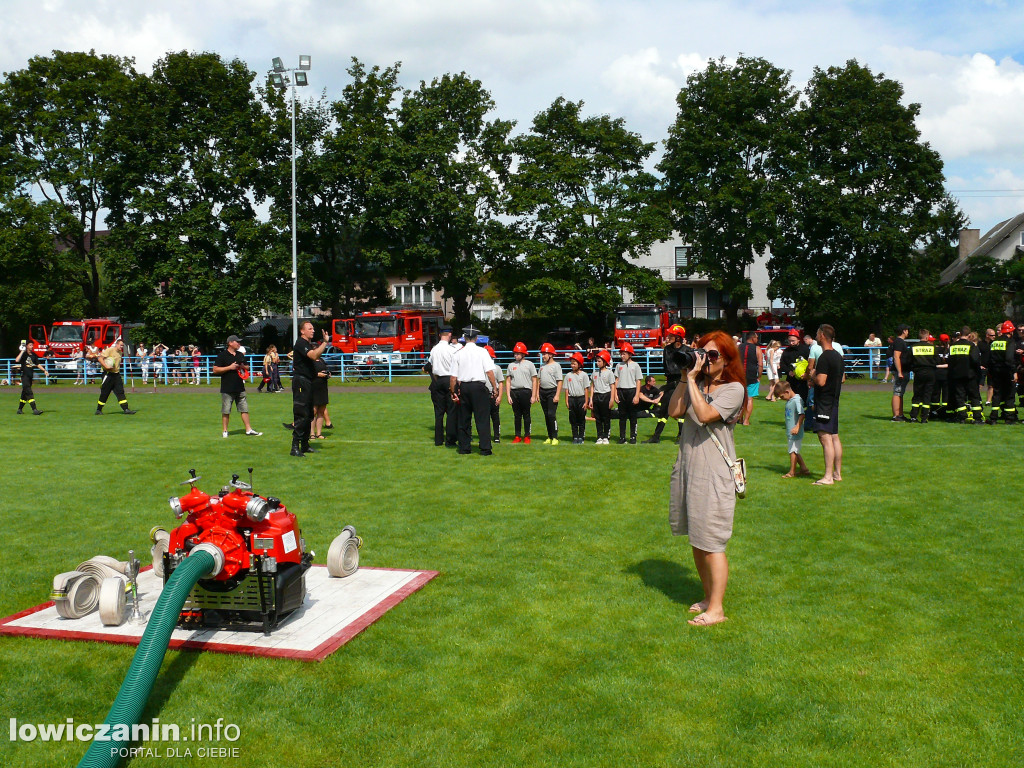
[[753, 361], [79, 357], [321, 397], [268, 376], [304, 353], [794, 428], [899, 352], [197, 362], [143, 355], [230, 366], [794, 352], [702, 498], [874, 345], [828, 384], [888, 362]]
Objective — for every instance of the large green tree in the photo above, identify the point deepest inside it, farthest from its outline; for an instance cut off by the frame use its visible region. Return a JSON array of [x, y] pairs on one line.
[[865, 194], [449, 194], [586, 211], [187, 253], [726, 169], [54, 116]]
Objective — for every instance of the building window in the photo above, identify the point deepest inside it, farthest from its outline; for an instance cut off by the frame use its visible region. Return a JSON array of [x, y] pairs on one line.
[[682, 262], [412, 294]]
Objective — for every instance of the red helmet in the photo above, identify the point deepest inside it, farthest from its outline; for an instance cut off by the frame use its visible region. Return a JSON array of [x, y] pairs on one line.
[[794, 332], [943, 337], [578, 357], [520, 348], [678, 330], [605, 355], [627, 348], [490, 350], [547, 349], [1007, 327]]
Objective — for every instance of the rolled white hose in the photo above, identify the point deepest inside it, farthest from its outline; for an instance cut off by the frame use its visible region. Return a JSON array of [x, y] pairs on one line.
[[343, 556], [75, 594], [101, 567], [161, 541], [112, 601]]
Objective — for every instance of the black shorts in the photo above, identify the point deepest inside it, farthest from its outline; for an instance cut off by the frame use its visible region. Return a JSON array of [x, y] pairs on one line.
[[829, 426]]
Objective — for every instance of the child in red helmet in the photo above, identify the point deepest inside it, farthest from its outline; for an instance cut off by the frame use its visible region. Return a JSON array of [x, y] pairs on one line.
[[628, 376], [550, 380], [521, 391], [577, 397], [603, 392]]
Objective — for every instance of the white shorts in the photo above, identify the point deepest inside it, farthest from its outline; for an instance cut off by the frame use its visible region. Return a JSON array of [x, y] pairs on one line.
[[795, 443]]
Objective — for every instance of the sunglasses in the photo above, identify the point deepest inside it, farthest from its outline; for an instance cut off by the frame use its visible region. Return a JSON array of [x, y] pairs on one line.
[[712, 354]]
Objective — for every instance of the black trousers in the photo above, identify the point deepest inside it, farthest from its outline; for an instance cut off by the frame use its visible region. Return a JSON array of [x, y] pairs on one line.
[[603, 414], [495, 417], [549, 406], [27, 398], [112, 382], [661, 409], [940, 395], [627, 411], [1003, 400], [474, 406], [521, 410], [446, 420], [302, 410], [924, 382], [577, 416], [966, 400]]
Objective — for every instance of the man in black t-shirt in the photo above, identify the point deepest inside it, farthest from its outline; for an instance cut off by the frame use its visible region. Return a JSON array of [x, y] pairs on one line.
[[794, 350], [900, 354], [303, 374], [230, 366], [828, 384]]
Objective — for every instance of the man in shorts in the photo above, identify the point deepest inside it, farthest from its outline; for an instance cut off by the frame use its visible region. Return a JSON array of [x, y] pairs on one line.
[[900, 354], [230, 366], [824, 414]]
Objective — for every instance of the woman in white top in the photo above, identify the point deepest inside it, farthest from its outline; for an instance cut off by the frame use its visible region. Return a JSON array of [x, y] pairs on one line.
[[771, 360]]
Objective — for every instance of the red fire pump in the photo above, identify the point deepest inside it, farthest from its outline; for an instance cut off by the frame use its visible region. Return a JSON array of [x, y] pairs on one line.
[[262, 580]]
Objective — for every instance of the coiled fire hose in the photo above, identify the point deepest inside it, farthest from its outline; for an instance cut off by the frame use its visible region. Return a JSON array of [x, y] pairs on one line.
[[343, 556], [204, 560], [76, 593]]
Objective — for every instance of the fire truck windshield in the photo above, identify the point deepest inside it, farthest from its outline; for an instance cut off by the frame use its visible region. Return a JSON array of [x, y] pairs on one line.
[[636, 321], [375, 326], [66, 333]]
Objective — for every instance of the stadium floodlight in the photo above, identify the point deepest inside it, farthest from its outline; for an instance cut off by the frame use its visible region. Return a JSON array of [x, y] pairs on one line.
[[279, 79]]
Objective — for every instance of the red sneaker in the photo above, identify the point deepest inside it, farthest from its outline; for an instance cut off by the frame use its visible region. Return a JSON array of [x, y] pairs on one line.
[[526, 439], [517, 439]]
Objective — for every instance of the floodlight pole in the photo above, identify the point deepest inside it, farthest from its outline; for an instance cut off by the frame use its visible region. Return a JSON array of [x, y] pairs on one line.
[[295, 247]]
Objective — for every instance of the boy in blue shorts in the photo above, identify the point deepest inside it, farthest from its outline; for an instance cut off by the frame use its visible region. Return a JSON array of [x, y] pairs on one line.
[[794, 427]]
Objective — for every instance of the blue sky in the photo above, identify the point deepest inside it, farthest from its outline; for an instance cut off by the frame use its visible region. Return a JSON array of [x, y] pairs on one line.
[[962, 61]]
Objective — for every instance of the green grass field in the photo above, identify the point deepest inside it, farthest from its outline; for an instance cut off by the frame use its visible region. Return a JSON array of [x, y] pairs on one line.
[[874, 623]]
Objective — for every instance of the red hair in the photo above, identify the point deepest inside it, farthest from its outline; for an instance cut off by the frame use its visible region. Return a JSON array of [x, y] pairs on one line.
[[733, 370]]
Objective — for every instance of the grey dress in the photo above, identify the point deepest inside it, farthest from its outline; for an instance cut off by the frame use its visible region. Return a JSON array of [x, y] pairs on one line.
[[703, 497]]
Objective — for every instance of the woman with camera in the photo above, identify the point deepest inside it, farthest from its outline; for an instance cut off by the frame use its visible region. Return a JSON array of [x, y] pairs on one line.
[[703, 493]]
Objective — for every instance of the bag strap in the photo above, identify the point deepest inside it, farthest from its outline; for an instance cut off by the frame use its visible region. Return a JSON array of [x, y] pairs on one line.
[[720, 447]]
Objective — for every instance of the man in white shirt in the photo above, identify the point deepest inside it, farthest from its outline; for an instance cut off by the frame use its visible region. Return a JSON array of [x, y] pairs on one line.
[[874, 343], [471, 369], [445, 410]]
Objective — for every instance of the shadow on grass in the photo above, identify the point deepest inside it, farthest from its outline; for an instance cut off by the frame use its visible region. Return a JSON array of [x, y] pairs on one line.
[[677, 583], [167, 680]]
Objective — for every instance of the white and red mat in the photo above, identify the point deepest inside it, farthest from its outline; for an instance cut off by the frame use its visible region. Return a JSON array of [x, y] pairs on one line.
[[334, 611]]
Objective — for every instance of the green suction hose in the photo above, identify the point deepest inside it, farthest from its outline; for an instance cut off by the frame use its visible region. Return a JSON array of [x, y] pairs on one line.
[[138, 683]]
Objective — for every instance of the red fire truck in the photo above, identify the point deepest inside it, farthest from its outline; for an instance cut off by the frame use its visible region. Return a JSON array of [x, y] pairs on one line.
[[343, 335], [401, 336], [66, 337], [642, 325]]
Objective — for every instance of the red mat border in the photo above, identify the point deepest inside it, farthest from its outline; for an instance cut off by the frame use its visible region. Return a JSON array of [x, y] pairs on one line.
[[321, 652]]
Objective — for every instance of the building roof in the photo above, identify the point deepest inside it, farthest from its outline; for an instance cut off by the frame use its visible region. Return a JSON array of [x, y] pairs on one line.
[[992, 238]]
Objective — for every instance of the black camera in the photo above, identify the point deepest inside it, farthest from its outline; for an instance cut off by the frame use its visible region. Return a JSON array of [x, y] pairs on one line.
[[686, 357]]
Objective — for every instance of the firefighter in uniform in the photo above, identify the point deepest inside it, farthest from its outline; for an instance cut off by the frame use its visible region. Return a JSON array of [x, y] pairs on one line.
[[1001, 365], [303, 374], [110, 362], [964, 369], [922, 363], [940, 394], [445, 411], [675, 339], [29, 361]]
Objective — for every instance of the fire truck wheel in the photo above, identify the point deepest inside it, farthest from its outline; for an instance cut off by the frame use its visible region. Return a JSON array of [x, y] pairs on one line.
[[112, 601]]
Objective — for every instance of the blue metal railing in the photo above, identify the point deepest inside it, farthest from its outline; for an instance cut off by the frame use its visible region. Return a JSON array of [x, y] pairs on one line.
[[863, 361]]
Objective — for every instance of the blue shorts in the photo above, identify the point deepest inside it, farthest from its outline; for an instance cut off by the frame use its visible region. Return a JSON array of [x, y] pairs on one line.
[[753, 390]]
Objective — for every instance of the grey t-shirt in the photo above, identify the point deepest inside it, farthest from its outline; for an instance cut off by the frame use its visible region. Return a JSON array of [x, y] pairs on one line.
[[498, 378], [628, 375], [603, 380], [550, 375], [522, 374], [576, 383]]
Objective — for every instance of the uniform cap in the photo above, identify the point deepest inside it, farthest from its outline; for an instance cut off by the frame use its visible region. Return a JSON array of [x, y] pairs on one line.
[[520, 348], [470, 332]]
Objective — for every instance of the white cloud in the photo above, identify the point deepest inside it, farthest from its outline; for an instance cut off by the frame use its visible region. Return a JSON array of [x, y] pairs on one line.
[[640, 79]]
